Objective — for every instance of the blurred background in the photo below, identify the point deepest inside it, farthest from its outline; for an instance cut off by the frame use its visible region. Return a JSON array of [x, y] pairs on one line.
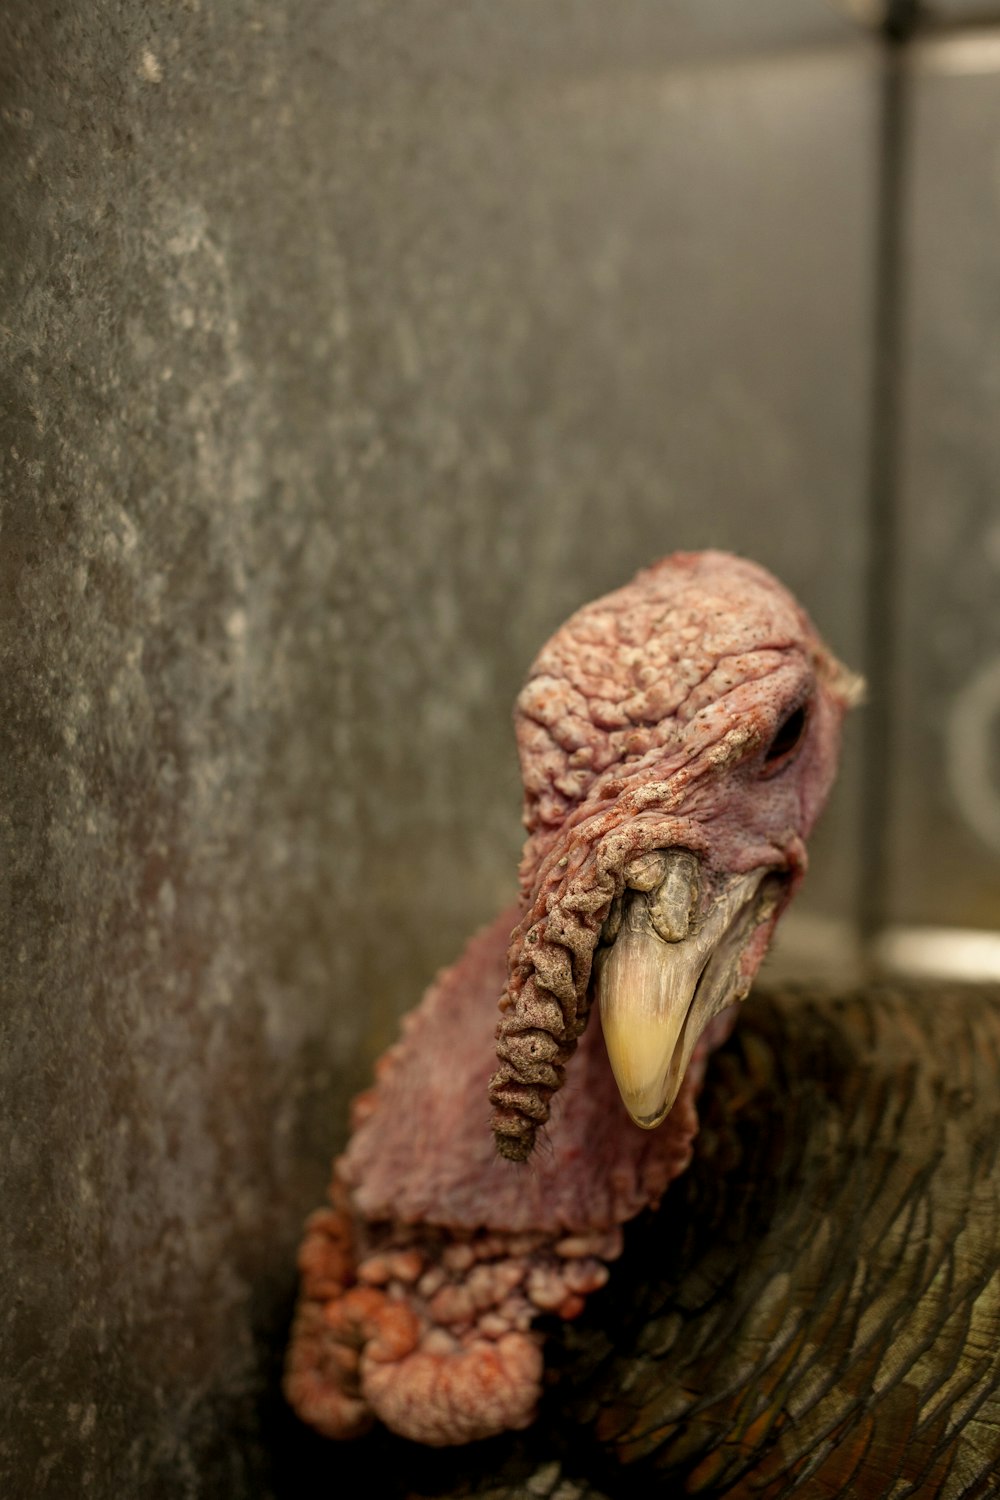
[[347, 348]]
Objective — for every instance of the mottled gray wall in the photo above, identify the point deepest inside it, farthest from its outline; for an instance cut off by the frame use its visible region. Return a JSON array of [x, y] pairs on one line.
[[347, 347]]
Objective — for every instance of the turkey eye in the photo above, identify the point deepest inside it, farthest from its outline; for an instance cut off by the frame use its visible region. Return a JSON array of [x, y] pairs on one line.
[[787, 737]]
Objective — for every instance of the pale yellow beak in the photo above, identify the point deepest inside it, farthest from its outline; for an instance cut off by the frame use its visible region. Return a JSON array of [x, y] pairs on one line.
[[672, 965]]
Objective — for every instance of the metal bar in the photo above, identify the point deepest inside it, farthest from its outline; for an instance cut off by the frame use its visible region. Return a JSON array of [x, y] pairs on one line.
[[881, 593]]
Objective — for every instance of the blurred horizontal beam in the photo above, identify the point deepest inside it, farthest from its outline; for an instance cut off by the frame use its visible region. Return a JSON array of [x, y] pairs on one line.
[[939, 952], [970, 52]]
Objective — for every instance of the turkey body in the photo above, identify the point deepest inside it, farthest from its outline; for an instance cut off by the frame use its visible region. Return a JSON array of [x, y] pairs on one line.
[[807, 1303], [678, 739], [815, 1310]]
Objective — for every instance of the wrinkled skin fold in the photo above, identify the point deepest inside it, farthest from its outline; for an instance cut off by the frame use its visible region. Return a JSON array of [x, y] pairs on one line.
[[424, 1279]]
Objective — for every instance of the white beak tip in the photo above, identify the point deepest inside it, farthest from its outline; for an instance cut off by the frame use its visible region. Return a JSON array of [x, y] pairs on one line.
[[647, 1122]]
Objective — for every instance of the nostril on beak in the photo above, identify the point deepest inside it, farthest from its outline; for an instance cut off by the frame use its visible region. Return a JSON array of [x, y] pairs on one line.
[[672, 907]]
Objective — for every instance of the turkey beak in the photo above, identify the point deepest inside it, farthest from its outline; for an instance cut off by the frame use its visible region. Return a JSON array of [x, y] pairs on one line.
[[669, 962]]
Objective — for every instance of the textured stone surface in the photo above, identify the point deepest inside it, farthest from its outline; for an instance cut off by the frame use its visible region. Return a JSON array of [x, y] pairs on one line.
[[945, 807], [345, 353]]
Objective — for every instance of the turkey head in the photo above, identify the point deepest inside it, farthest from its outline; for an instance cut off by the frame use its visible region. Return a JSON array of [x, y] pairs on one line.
[[677, 739]]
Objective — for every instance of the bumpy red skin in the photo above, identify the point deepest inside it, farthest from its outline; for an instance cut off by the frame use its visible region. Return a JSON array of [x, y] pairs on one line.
[[644, 724]]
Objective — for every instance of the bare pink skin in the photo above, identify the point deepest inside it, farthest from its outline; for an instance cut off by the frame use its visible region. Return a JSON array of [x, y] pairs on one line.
[[645, 724], [420, 1287]]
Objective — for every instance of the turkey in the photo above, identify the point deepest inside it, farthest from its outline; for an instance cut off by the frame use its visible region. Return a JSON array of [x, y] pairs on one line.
[[814, 1310]]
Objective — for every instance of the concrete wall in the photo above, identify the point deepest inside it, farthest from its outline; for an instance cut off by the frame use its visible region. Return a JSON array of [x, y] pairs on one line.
[[348, 347]]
